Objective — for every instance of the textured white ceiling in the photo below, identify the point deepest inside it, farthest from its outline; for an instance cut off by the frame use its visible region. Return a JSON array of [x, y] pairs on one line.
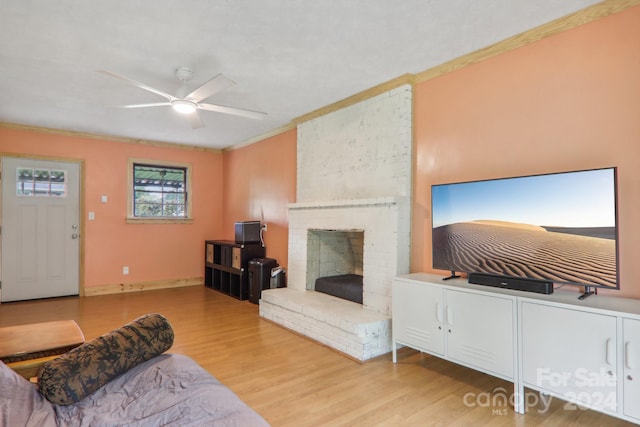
[[288, 58]]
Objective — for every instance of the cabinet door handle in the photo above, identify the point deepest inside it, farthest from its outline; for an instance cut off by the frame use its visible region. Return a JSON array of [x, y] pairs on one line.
[[449, 316], [627, 355], [608, 352], [439, 313]]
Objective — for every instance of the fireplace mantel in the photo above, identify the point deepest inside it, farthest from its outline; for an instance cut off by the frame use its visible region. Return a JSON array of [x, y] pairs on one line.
[[350, 203]]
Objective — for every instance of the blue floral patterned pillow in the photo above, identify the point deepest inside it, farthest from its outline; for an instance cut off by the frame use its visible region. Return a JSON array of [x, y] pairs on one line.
[[83, 370]]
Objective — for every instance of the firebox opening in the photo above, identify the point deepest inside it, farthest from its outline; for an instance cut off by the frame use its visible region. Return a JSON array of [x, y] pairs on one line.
[[335, 262]]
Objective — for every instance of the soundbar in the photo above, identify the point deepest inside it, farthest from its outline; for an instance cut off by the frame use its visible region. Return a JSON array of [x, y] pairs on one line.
[[518, 284]]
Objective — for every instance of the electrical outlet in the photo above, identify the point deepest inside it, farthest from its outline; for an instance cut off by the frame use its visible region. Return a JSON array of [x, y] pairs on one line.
[[125, 270], [264, 227]]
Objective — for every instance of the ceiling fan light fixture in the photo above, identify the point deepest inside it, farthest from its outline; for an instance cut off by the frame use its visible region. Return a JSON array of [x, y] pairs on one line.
[[189, 104], [184, 107]]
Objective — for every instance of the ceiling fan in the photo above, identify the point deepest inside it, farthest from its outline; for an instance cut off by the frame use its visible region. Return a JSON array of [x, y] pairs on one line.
[[189, 103]]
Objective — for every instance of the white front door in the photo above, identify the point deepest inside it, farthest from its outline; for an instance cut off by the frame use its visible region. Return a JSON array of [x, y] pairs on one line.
[[40, 228]]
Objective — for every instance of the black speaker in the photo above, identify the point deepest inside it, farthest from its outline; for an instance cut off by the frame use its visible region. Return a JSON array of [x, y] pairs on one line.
[[518, 284], [260, 277]]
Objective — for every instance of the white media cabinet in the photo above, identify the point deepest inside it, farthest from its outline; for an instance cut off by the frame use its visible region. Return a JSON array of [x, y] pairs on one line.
[[586, 352]]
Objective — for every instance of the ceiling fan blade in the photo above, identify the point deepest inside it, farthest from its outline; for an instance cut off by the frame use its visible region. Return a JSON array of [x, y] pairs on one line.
[[194, 120], [153, 104], [138, 84], [231, 110], [209, 88]]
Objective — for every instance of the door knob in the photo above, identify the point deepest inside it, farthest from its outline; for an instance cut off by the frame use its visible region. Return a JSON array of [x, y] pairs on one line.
[[74, 236]]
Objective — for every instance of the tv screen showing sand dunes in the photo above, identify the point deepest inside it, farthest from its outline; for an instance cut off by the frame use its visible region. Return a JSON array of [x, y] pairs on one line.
[[556, 227]]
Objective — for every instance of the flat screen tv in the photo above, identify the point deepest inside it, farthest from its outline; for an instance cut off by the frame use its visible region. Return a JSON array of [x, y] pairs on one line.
[[560, 228]]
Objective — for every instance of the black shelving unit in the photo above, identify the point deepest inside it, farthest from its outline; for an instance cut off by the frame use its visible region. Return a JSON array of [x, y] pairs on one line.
[[226, 266]]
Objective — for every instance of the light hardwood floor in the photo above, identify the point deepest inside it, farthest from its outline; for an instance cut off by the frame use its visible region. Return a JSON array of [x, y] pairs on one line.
[[293, 381]]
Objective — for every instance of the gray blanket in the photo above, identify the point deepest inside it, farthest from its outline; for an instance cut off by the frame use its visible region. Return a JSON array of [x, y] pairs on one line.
[[168, 390]]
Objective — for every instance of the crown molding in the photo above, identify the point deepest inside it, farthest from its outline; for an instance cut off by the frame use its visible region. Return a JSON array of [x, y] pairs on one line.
[[358, 97], [262, 137], [110, 138], [581, 17]]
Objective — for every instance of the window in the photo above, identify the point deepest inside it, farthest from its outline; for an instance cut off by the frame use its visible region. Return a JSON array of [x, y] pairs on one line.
[[32, 182], [159, 191]]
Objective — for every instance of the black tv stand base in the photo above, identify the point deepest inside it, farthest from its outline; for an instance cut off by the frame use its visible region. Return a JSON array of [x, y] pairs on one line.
[[587, 292], [452, 276]]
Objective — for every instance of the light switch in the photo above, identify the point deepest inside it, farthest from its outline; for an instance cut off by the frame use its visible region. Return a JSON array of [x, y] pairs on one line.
[[92, 216], [103, 199]]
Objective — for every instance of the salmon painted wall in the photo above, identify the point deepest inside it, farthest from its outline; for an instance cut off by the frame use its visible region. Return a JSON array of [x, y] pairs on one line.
[[152, 251], [260, 180], [570, 101]]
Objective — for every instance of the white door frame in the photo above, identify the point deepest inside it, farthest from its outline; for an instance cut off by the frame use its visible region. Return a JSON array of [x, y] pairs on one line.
[[80, 162]]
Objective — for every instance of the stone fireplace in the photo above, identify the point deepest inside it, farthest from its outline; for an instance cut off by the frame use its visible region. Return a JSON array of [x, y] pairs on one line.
[[385, 246], [361, 331], [354, 186]]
